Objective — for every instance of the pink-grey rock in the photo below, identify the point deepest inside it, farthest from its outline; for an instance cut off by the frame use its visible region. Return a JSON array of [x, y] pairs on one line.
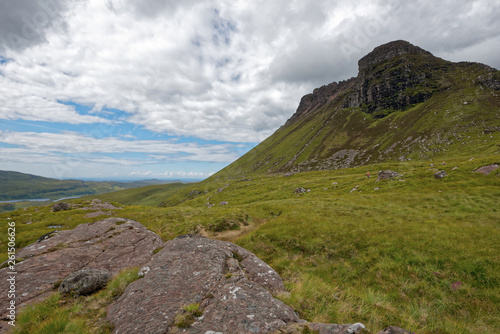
[[112, 244], [319, 328], [231, 285], [486, 170]]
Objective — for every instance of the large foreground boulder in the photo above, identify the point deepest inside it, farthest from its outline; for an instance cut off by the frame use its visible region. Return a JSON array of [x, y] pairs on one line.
[[112, 244], [231, 285]]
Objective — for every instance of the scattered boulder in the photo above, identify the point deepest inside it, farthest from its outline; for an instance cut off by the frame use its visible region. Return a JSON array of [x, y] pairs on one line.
[[394, 330], [61, 206], [485, 170], [112, 244], [223, 203], [194, 193], [299, 190], [231, 285], [85, 282], [387, 174], [221, 189], [440, 175]]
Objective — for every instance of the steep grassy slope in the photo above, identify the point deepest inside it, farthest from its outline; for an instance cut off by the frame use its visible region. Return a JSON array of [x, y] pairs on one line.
[[445, 110], [418, 252]]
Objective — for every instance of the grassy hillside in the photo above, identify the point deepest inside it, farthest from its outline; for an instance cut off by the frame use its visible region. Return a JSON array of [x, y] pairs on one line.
[[16, 186], [459, 119], [416, 252], [148, 196]]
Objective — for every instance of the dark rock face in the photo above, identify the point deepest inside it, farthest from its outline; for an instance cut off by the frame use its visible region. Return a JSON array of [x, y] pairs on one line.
[[440, 175], [85, 281], [387, 174], [61, 206], [386, 83], [112, 244], [319, 97], [231, 285]]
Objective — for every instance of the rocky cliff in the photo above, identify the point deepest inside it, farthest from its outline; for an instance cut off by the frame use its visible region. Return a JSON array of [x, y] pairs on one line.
[[192, 285]]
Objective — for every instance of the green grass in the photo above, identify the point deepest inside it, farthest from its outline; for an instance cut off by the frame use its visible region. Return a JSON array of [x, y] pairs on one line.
[[149, 195], [418, 253]]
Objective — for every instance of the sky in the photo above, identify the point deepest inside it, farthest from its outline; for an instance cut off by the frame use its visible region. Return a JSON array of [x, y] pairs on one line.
[[129, 89]]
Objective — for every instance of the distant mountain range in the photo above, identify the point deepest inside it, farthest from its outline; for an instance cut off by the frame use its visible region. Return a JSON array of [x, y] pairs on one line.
[[16, 186], [405, 104]]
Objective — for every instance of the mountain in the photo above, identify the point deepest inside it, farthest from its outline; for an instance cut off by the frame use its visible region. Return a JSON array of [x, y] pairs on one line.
[[405, 104], [15, 186]]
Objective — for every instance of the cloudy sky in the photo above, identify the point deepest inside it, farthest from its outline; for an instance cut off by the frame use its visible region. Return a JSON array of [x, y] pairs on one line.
[[124, 89]]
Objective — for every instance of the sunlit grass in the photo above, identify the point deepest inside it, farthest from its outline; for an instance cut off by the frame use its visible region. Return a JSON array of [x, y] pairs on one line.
[[421, 254]]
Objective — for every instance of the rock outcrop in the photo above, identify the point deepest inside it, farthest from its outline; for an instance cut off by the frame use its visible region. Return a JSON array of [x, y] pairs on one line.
[[84, 282], [387, 51], [387, 174], [231, 285], [440, 175], [394, 77], [112, 244], [61, 206], [486, 170]]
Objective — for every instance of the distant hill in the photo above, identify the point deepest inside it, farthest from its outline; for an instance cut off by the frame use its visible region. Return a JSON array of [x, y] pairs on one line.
[[405, 104], [16, 186]]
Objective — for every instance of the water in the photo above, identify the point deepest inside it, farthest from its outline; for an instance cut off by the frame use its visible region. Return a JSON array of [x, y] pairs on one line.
[[27, 200], [40, 199]]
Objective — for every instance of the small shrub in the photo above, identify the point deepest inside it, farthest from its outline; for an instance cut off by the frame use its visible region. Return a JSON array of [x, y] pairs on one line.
[[157, 250], [224, 225], [237, 256], [186, 318]]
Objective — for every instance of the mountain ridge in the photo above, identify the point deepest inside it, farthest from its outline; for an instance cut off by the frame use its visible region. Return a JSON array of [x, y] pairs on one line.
[[404, 104]]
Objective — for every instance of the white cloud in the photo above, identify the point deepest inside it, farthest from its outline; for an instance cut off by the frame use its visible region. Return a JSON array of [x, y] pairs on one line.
[[61, 147], [221, 70]]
